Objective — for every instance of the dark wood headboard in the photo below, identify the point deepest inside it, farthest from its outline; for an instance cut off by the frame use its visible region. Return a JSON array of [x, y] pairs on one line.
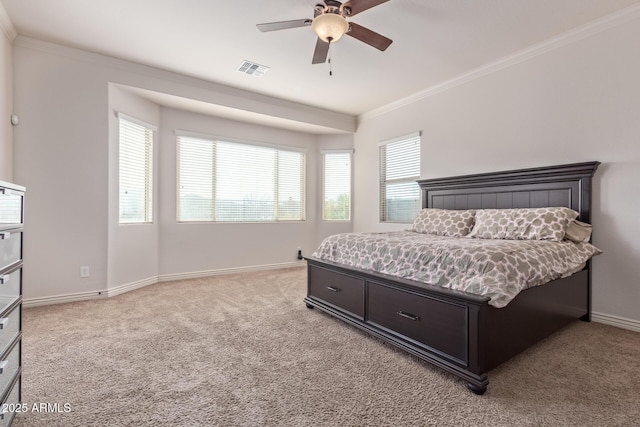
[[562, 185]]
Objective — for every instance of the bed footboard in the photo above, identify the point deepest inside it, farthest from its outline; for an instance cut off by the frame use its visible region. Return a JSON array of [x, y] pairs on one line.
[[434, 326], [455, 331]]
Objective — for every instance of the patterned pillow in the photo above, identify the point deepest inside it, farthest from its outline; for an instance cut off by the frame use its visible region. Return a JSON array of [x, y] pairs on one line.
[[444, 222], [523, 224]]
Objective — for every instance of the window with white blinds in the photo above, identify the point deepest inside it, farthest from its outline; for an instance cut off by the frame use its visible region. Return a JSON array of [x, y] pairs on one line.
[[336, 201], [399, 170], [236, 182], [135, 172]]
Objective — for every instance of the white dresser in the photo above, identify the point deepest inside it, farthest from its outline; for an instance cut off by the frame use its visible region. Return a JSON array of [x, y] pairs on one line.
[[11, 231]]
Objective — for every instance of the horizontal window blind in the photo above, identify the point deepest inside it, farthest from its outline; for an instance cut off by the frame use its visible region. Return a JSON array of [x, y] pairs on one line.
[[336, 202], [135, 172], [399, 170], [235, 182]]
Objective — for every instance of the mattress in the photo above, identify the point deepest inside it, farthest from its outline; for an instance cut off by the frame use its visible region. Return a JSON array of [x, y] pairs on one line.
[[498, 269]]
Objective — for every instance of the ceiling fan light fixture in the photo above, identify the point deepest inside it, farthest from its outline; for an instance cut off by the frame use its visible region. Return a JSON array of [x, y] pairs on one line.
[[330, 27]]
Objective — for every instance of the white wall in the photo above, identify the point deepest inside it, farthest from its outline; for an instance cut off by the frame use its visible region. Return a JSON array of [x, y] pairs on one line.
[[6, 105], [61, 156], [65, 155], [577, 102]]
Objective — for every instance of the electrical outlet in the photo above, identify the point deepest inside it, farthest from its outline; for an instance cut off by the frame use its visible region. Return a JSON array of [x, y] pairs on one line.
[[84, 271]]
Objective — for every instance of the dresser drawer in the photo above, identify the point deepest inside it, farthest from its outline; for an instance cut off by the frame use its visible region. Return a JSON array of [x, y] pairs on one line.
[[437, 325], [10, 287], [10, 206], [9, 366], [341, 290], [10, 404], [10, 247], [9, 327]]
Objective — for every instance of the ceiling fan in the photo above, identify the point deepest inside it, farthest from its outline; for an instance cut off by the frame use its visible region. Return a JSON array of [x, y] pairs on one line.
[[330, 23]]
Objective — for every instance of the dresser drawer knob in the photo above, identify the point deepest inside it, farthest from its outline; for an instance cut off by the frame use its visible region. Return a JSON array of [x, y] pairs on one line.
[[5, 235], [333, 289], [3, 322], [4, 279], [408, 316]]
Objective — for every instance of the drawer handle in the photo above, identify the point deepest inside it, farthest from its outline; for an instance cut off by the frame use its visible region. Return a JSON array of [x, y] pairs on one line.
[[4, 279], [3, 322], [408, 316], [5, 235], [333, 289], [3, 366]]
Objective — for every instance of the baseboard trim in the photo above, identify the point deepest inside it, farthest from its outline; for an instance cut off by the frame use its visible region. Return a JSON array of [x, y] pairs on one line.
[[112, 292], [118, 290], [620, 322], [61, 299], [224, 271]]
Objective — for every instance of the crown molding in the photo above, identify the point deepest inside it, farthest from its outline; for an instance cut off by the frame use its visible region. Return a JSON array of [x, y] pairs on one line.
[[7, 26], [579, 33]]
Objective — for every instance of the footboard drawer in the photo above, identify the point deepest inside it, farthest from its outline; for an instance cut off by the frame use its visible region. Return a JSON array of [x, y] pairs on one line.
[[437, 325], [341, 290]]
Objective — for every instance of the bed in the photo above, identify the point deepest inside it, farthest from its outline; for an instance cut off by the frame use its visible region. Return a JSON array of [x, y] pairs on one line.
[[457, 331]]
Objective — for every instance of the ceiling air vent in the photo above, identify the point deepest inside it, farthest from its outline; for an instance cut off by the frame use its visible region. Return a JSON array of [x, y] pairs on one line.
[[253, 69]]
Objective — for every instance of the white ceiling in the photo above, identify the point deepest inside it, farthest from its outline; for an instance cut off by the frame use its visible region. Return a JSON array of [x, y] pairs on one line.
[[433, 41]]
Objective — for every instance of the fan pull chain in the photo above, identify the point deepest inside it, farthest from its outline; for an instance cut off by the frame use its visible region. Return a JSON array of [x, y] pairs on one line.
[[330, 63]]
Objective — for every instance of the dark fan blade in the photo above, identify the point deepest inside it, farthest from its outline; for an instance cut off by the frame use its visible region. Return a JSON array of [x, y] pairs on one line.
[[369, 37], [357, 6], [321, 52], [283, 25]]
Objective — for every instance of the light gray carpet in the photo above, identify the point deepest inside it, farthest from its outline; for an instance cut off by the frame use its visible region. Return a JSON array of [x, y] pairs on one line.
[[243, 350]]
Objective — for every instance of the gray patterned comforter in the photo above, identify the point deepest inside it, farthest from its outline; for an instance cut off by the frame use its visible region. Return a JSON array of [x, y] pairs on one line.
[[498, 269]]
